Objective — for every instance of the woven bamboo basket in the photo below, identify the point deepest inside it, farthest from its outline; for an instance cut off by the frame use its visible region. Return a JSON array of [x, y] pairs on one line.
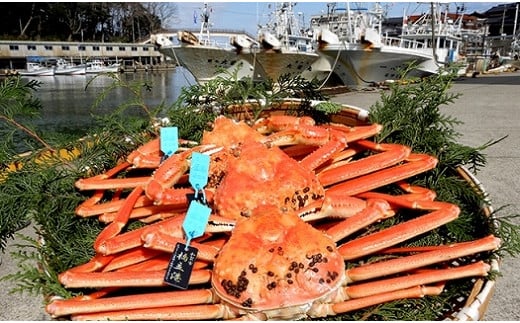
[[474, 307]]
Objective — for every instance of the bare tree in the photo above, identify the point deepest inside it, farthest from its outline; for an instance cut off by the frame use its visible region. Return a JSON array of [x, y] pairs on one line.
[[24, 27], [166, 12]]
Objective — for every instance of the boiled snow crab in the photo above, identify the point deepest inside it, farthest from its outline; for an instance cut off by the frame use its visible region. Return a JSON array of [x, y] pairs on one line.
[[288, 200]]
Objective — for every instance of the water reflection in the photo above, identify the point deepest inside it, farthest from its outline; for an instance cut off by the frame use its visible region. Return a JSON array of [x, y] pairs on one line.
[[67, 100]]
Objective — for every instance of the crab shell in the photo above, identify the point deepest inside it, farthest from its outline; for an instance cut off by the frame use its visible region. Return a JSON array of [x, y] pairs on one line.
[[248, 164], [268, 265]]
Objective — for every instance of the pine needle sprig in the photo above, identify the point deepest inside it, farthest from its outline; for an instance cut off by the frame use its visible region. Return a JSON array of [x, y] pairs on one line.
[[410, 115], [18, 106], [35, 277], [508, 231]]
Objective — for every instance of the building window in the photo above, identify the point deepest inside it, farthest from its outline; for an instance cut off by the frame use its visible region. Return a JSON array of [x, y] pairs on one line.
[[48, 47], [95, 48], [122, 48], [31, 47], [145, 49], [14, 47], [109, 48], [82, 48], [134, 49], [65, 47]]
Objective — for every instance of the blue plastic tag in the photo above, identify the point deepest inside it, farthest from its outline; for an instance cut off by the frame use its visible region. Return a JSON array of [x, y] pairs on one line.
[[169, 140], [195, 221], [199, 172], [180, 266]]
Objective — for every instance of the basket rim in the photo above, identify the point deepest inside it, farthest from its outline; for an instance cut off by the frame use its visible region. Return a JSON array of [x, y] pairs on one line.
[[475, 308]]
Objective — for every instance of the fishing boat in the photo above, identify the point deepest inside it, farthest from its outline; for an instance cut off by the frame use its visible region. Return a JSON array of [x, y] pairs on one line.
[[98, 66], [36, 69], [210, 53], [361, 55], [286, 48], [68, 68]]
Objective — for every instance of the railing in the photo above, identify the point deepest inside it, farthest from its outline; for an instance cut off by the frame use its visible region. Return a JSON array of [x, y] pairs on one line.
[[402, 43], [215, 43]]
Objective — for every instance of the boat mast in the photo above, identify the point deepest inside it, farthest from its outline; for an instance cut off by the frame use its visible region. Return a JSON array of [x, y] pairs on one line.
[[434, 43], [515, 36], [204, 24]]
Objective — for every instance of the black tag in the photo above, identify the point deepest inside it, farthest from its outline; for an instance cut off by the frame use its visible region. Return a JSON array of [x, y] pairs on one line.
[[181, 264]]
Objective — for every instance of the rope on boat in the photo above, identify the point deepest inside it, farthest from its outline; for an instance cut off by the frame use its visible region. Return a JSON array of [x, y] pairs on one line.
[[331, 70], [353, 69], [183, 70]]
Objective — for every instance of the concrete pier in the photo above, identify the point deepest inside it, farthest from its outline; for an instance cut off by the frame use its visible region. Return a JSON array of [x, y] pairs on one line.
[[489, 109]]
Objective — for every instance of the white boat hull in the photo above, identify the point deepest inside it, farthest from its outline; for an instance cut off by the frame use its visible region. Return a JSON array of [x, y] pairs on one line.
[[103, 70], [360, 66], [49, 72], [275, 64], [35, 69], [206, 62], [71, 71]]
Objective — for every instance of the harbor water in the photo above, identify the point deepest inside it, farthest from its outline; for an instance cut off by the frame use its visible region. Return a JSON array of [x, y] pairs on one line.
[[67, 100]]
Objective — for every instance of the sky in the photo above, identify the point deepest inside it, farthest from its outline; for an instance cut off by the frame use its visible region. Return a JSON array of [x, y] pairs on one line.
[[246, 15]]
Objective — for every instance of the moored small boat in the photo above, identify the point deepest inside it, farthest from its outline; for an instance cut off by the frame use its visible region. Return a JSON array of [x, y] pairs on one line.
[[65, 68], [98, 66], [36, 69]]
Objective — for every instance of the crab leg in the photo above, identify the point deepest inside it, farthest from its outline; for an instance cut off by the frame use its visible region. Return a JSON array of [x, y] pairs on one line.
[[146, 156], [92, 209], [150, 278], [430, 276], [131, 257], [416, 194], [105, 181], [144, 212], [161, 241], [336, 143], [179, 199], [389, 154], [416, 164], [130, 302], [159, 188], [133, 238], [358, 132], [321, 310], [170, 227], [160, 263], [375, 210], [182, 313], [111, 183], [90, 202], [121, 219], [442, 213], [96, 263], [153, 264], [440, 254], [333, 206]]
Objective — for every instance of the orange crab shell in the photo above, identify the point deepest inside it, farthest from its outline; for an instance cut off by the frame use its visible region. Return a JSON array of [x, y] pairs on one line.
[[246, 164], [284, 182], [228, 131], [269, 264]]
